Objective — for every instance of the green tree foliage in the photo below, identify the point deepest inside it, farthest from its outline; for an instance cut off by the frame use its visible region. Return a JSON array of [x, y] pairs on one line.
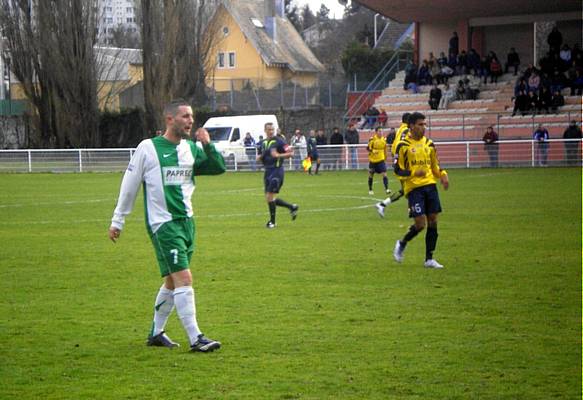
[[293, 14], [308, 17], [360, 59]]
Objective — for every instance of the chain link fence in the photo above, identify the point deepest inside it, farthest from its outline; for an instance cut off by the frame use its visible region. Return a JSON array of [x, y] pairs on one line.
[[250, 95]]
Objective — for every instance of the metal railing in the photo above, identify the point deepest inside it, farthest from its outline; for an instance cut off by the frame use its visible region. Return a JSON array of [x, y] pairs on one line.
[[380, 81], [452, 125], [457, 154]]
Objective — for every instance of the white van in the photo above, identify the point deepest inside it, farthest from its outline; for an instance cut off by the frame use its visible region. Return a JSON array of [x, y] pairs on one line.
[[228, 133]]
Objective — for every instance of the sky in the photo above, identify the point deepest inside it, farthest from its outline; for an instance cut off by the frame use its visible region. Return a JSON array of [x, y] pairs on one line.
[[336, 9]]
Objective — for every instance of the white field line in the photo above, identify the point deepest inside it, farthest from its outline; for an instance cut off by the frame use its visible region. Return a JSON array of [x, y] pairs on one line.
[[208, 216], [235, 192]]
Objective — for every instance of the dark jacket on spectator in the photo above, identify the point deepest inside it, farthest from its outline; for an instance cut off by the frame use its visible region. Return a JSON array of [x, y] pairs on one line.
[[351, 136], [572, 132], [336, 138]]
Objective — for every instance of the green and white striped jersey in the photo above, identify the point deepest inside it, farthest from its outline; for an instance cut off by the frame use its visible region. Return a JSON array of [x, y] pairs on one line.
[[167, 171]]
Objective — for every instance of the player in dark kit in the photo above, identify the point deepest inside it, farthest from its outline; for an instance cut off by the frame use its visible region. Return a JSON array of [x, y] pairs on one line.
[[313, 152], [273, 152]]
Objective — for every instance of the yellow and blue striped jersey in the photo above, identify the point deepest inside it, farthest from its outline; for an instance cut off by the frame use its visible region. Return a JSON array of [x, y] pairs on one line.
[[377, 149], [414, 155], [401, 134]]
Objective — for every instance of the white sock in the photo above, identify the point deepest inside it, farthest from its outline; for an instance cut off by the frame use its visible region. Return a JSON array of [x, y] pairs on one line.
[[386, 201], [162, 309], [186, 310]]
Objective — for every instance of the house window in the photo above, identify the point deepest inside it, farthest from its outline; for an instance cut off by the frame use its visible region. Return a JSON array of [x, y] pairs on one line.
[[231, 60], [129, 20], [221, 60]]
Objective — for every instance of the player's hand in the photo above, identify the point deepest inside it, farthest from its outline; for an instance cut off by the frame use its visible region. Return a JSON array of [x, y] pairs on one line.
[[202, 136], [444, 181], [113, 234]]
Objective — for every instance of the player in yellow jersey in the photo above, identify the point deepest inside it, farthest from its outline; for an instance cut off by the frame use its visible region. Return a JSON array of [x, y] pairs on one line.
[[416, 162], [402, 133], [377, 154]]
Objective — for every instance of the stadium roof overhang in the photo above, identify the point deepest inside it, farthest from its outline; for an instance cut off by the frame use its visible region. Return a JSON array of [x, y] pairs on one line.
[[448, 10]]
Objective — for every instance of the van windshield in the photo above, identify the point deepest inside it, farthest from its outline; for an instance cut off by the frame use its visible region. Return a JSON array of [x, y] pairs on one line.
[[219, 134]]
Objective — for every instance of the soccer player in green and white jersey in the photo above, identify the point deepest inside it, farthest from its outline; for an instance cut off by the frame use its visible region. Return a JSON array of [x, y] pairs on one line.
[[167, 165]]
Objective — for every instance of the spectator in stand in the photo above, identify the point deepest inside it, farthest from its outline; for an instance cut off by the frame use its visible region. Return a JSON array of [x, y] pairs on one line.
[[460, 90], [454, 44], [578, 58], [431, 58], [382, 118], [474, 62], [298, 141], [577, 83], [484, 69], [472, 91], [452, 61], [442, 60], [446, 73], [575, 51], [555, 40], [557, 81], [541, 137], [534, 82], [512, 60], [529, 71], [336, 140], [495, 69], [521, 103], [491, 145], [565, 56], [434, 97], [424, 76], [572, 147], [410, 76], [448, 97], [532, 102], [372, 115], [544, 100], [461, 67], [521, 86], [351, 137], [557, 101], [435, 71]]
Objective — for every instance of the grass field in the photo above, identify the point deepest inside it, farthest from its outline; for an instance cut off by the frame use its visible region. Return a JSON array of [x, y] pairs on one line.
[[314, 309]]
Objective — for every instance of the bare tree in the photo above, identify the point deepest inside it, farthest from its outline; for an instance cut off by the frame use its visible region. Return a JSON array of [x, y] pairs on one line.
[[123, 36], [50, 44], [177, 39]]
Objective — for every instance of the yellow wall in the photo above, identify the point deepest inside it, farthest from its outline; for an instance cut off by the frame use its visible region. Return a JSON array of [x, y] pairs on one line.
[[108, 91], [249, 67]]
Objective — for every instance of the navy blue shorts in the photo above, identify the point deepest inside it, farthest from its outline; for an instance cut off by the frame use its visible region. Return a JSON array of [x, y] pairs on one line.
[[424, 200], [377, 167], [314, 156], [273, 180]]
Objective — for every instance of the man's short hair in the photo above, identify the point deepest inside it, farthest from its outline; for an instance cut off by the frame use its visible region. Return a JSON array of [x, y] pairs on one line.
[[377, 129], [414, 117], [172, 107], [267, 124], [405, 117]]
